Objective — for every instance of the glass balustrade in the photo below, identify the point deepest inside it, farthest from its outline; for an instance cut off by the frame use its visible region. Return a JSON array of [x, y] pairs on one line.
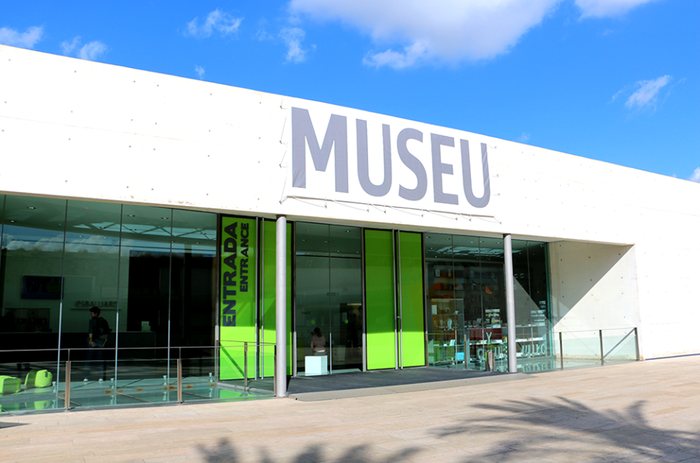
[[47, 379]]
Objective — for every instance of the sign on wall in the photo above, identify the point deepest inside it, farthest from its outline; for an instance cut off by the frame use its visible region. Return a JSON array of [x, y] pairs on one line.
[[238, 281], [396, 164]]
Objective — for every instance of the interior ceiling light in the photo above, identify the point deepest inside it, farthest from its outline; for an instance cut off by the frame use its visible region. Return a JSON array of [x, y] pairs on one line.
[[31, 208], [131, 215]]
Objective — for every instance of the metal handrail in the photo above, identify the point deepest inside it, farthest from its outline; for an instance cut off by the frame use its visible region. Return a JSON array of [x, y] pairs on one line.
[[595, 330], [460, 337], [245, 345], [64, 349]]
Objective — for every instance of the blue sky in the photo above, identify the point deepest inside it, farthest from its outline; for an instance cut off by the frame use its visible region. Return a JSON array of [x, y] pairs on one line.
[[614, 80]]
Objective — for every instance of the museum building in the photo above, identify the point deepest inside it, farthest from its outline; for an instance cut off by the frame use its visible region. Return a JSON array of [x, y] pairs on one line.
[[199, 217]]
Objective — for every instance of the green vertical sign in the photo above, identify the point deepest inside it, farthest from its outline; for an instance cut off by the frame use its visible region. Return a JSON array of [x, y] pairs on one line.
[[238, 283], [379, 295], [412, 301]]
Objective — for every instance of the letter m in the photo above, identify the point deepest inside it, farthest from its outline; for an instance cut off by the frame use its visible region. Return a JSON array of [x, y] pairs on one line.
[[336, 135]]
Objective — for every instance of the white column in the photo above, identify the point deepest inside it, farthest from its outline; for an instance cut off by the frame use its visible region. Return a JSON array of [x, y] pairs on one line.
[[281, 306], [510, 303]]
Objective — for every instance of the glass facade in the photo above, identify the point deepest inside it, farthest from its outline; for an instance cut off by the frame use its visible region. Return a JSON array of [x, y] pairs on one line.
[[532, 313], [357, 298], [328, 300], [466, 297], [467, 302], [150, 270]]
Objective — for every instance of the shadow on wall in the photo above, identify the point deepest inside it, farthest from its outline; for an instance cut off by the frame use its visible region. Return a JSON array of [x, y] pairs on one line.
[[593, 286], [225, 452], [570, 430]]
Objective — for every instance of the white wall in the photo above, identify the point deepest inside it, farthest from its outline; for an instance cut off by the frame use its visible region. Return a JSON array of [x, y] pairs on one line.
[[75, 128], [594, 287]]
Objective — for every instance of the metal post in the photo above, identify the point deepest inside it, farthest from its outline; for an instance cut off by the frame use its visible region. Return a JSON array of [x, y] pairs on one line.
[[245, 366], [636, 342], [67, 394], [466, 349], [399, 289], [259, 313], [394, 269], [561, 350], [602, 353], [179, 379], [281, 306], [330, 351], [274, 372], [510, 303], [116, 348]]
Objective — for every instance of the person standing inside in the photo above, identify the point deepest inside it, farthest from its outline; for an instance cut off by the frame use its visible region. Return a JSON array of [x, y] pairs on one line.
[[318, 342], [98, 332]]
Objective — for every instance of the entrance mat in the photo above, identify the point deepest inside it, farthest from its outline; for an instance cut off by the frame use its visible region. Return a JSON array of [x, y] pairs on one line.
[[362, 384]]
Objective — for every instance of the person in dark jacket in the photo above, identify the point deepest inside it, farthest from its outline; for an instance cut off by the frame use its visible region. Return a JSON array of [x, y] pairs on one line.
[[97, 339]]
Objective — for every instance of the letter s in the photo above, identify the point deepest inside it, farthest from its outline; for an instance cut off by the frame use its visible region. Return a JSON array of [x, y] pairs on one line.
[[412, 163]]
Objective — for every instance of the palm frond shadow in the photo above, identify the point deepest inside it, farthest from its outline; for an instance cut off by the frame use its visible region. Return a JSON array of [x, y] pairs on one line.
[[225, 452], [546, 424]]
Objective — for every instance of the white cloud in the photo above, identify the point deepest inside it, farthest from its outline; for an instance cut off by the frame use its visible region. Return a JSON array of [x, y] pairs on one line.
[[695, 177], [262, 34], [217, 21], [199, 70], [69, 46], [92, 244], [45, 244], [90, 51], [21, 39], [524, 137], [647, 93], [292, 38], [603, 8], [408, 57], [440, 30]]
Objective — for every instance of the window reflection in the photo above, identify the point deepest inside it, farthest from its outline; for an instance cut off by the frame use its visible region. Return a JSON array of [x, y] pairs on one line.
[[150, 270], [328, 297], [467, 300], [467, 311], [533, 330], [32, 264]]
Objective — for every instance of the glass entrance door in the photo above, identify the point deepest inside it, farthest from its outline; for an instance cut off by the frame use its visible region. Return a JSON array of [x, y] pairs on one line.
[[329, 316]]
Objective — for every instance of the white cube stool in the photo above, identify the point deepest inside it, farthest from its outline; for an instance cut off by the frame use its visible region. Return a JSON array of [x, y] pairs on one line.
[[316, 365]]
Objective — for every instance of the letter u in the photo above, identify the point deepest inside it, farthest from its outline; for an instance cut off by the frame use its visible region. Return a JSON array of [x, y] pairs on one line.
[[363, 160], [467, 176]]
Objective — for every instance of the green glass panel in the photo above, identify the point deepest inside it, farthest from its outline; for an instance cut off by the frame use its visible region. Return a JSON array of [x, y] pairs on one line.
[[269, 332], [379, 294], [412, 319], [238, 271]]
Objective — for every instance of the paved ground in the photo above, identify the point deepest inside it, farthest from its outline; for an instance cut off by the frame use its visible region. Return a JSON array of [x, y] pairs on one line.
[[638, 412]]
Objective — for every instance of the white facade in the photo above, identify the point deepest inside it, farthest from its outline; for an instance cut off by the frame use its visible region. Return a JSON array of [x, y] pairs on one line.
[[624, 246]]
